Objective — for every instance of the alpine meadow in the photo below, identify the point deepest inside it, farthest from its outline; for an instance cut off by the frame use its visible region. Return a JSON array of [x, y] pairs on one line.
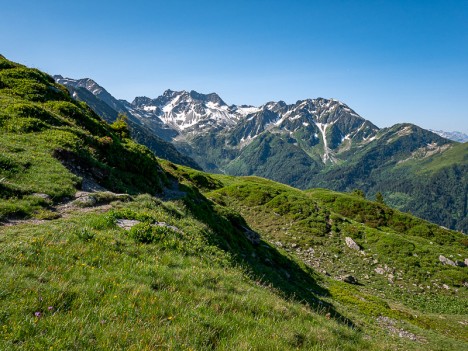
[[106, 246]]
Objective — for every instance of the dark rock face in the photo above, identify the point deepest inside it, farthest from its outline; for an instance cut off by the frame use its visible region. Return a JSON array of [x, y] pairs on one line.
[[350, 279]]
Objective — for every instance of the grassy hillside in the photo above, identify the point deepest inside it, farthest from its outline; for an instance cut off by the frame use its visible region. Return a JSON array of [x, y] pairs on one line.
[[45, 134], [416, 171], [191, 261]]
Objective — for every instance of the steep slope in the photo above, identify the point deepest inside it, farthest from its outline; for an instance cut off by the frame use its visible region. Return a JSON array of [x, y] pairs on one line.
[[210, 262], [44, 131]]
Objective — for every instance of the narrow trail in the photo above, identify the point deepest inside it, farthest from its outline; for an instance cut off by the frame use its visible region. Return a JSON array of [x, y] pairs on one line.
[[85, 200], [91, 198]]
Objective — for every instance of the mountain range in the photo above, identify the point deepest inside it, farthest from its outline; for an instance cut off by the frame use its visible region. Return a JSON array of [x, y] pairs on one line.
[[311, 143]]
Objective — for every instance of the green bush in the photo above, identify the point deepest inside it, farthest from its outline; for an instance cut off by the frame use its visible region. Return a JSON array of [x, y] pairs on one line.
[[85, 234], [142, 233]]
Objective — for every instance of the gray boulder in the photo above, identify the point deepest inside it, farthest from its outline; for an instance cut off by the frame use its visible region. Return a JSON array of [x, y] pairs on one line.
[[352, 244], [447, 261]]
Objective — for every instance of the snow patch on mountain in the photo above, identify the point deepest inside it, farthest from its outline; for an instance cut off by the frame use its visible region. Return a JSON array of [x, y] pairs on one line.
[[326, 150]]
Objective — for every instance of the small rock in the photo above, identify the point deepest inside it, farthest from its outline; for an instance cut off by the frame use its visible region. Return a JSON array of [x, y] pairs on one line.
[[447, 261], [379, 270], [42, 196], [293, 245], [349, 279], [445, 286], [126, 224], [85, 201], [352, 244], [164, 224], [466, 262]]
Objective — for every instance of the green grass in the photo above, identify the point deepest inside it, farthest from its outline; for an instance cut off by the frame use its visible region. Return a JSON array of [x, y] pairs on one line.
[[97, 288]]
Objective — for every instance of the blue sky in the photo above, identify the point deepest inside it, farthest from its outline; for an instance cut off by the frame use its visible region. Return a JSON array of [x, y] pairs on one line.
[[391, 61]]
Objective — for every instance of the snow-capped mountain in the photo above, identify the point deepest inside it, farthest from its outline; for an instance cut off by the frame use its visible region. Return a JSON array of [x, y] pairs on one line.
[[224, 138], [455, 136], [183, 117], [327, 122], [187, 112]]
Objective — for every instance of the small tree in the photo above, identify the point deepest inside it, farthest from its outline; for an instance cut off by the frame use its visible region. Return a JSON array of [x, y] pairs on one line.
[[379, 198], [359, 192], [120, 126]]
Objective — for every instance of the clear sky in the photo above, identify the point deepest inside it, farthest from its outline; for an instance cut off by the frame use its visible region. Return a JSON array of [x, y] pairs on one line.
[[391, 61]]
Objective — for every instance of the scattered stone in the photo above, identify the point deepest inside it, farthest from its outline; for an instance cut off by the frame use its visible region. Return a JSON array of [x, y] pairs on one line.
[[352, 244], [349, 279], [366, 276], [446, 287], [126, 224], [279, 244], [293, 245], [85, 201], [447, 261], [390, 325], [379, 270], [164, 224]]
